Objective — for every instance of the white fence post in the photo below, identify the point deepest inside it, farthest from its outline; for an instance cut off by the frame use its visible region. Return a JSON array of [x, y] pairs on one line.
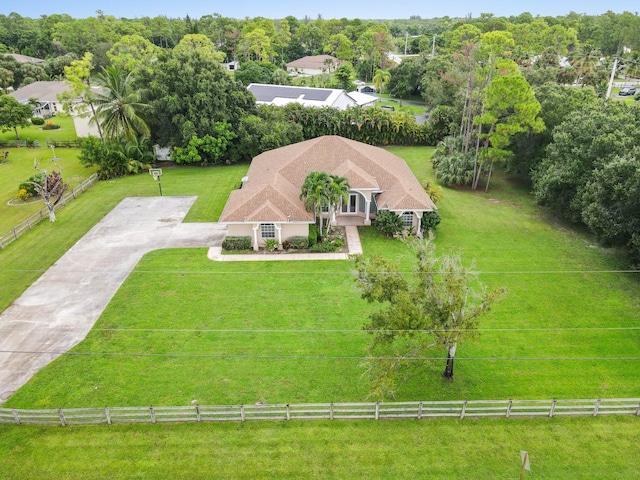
[[107, 414], [63, 421]]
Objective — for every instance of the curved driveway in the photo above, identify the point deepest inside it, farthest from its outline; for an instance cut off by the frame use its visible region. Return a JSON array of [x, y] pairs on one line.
[[61, 307]]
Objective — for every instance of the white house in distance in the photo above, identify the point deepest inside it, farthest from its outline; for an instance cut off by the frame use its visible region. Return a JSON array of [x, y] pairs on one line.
[[313, 65], [269, 206], [47, 95], [282, 95]]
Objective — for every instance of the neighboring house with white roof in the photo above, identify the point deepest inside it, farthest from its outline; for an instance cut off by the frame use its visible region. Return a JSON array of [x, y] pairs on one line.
[[313, 65], [269, 206], [282, 95]]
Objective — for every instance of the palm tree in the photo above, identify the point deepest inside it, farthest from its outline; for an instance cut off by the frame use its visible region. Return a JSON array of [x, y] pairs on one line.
[[337, 192], [585, 60], [315, 193], [118, 105], [380, 79]]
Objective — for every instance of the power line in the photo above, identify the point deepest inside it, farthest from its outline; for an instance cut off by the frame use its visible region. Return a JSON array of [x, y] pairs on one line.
[[321, 357], [275, 330], [350, 273]]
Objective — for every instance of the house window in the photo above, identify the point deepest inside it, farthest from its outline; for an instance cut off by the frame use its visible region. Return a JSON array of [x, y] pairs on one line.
[[407, 219], [325, 208], [268, 230]]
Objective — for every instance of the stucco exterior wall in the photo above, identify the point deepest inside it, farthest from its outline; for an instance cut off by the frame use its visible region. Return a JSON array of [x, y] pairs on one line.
[[286, 230]]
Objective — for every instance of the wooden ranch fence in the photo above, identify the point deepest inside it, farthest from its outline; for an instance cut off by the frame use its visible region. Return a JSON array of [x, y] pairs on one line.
[[324, 411], [19, 230]]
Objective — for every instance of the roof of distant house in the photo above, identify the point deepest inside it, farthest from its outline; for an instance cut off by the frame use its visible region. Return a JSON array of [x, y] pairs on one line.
[[283, 94], [44, 91], [272, 191], [24, 58], [316, 62]]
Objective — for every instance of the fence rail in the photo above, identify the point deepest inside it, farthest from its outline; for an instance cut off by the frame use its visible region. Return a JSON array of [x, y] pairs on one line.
[[22, 228], [324, 411]]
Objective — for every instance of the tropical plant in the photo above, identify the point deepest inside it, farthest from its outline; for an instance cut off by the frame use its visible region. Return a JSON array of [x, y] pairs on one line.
[[119, 105], [315, 193], [337, 193], [380, 80]]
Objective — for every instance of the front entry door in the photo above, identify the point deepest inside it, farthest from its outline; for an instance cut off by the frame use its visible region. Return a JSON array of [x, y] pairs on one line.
[[352, 204]]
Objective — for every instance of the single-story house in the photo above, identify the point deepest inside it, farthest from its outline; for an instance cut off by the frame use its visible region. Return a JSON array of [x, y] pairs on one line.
[[313, 65], [46, 93], [282, 95], [268, 204]]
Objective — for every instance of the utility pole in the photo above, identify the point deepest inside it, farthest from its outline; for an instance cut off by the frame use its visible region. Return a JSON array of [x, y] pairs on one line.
[[613, 75]]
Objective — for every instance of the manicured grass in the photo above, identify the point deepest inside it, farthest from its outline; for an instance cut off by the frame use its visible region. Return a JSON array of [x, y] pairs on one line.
[[67, 131], [578, 448], [20, 168], [178, 303]]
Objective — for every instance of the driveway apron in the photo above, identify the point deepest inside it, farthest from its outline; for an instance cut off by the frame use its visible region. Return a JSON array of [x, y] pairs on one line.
[[61, 307]]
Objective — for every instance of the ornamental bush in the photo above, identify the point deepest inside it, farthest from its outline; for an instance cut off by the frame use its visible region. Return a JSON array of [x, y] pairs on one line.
[[388, 223], [37, 121], [236, 243], [28, 187], [430, 220], [49, 125], [297, 243]]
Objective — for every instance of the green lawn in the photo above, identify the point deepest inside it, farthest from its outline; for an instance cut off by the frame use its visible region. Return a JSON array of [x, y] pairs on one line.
[[177, 302], [20, 167], [67, 131], [581, 448]]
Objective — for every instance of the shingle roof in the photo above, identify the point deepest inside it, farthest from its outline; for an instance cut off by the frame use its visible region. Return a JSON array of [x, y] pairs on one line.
[[275, 177], [42, 90], [314, 61], [24, 58]]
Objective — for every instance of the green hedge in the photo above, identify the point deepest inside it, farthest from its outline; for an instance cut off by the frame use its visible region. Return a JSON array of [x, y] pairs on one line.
[[236, 243], [298, 242]]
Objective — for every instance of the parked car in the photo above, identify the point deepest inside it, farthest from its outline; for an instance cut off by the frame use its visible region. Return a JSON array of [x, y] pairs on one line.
[[627, 91]]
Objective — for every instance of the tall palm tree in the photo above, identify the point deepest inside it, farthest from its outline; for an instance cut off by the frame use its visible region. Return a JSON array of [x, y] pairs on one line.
[[337, 193], [118, 105], [585, 60], [380, 80], [315, 193]]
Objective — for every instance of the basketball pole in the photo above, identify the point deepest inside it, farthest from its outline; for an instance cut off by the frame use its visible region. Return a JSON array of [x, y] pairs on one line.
[[160, 185]]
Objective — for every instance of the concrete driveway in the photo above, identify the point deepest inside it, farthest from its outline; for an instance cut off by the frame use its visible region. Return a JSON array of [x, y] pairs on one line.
[[61, 307]]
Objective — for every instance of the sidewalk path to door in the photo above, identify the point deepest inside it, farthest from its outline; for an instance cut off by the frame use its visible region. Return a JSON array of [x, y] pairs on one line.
[[60, 308]]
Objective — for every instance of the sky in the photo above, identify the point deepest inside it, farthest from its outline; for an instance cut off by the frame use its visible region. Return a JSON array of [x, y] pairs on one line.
[[372, 9]]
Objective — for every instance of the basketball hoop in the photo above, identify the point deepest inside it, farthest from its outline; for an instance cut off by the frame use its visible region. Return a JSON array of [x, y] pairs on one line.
[[156, 173]]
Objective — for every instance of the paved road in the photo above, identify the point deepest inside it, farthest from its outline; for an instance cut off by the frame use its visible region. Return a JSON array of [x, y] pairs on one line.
[[61, 307]]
